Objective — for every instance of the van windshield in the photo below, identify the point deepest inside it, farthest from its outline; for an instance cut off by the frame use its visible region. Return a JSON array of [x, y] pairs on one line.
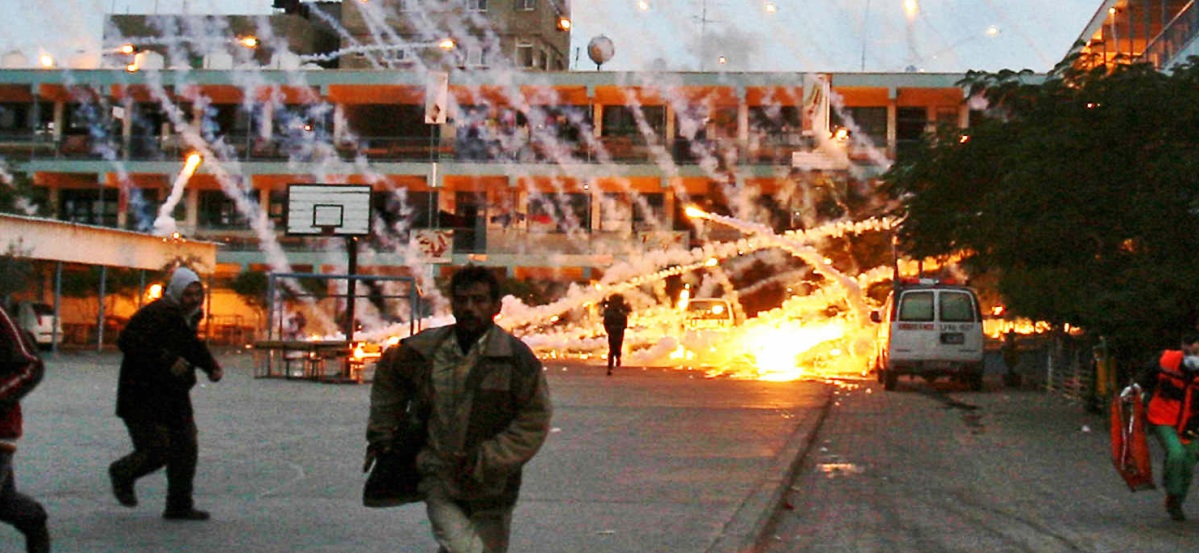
[[42, 309], [916, 306], [956, 307]]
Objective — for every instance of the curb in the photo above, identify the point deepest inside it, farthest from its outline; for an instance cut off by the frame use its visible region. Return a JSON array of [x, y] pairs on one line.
[[754, 517]]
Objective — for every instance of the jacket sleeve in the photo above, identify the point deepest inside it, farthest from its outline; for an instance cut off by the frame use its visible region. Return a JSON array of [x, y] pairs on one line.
[[21, 369], [509, 450], [389, 397]]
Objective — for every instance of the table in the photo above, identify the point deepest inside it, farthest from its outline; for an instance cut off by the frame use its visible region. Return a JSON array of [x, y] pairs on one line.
[[311, 354]]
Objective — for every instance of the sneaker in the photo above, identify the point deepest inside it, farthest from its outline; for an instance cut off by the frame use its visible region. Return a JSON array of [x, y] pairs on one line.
[[1174, 507], [185, 514], [122, 489], [38, 541]]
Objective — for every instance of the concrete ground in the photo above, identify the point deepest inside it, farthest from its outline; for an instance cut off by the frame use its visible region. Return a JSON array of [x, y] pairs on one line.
[[647, 460]]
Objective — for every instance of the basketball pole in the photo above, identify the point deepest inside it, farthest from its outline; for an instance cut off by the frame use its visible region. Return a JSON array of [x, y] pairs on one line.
[[351, 286]]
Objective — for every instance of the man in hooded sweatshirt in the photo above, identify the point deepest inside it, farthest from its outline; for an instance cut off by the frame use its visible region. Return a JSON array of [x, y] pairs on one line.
[[162, 353], [20, 371]]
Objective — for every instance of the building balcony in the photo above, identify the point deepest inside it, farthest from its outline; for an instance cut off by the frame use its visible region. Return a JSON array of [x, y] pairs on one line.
[[763, 150]]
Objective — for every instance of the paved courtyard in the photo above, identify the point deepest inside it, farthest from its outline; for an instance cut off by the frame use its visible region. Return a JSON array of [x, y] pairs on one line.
[[648, 460]]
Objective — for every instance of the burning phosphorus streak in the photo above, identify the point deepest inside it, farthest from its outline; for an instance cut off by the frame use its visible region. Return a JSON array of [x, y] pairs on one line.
[[164, 225]]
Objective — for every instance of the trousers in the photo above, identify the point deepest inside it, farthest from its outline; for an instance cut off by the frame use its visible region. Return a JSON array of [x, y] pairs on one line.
[[1179, 465], [21, 511], [157, 445], [615, 345], [461, 527]]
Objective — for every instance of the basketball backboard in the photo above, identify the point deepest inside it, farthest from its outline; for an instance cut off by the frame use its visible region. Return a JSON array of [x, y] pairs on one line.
[[328, 209]]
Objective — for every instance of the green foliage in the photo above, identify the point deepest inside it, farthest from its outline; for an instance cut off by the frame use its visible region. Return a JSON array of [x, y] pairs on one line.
[[251, 287], [16, 271], [1078, 195]]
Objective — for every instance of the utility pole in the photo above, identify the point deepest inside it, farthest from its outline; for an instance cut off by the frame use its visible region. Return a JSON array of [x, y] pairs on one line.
[[703, 34]]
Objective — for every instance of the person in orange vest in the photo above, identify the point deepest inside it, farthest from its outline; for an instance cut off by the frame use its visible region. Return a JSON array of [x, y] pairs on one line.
[[1174, 417]]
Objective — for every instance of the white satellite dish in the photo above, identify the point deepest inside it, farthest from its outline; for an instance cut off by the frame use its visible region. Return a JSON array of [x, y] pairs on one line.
[[600, 50]]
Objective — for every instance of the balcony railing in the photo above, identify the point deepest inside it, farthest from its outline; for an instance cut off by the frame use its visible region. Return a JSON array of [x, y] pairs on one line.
[[759, 149], [1175, 36]]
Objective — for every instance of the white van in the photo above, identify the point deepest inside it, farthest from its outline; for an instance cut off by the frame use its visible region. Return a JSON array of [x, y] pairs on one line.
[[39, 321], [929, 329]]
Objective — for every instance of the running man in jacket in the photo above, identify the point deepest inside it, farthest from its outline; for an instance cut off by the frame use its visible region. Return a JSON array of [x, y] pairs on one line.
[[162, 353], [489, 413], [1174, 418], [616, 320], [20, 371]]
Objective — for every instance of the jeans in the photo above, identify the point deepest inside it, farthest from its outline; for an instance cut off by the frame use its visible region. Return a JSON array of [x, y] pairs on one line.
[[19, 510], [460, 527], [1179, 465], [156, 445]]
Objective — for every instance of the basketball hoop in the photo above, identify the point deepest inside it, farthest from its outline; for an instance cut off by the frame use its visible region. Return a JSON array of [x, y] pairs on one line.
[[328, 230]]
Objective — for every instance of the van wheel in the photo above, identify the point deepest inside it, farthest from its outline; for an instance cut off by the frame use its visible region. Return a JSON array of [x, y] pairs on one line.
[[889, 379]]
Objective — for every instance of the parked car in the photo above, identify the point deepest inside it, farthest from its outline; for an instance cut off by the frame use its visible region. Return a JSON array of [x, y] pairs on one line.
[[39, 321], [708, 313], [929, 329]]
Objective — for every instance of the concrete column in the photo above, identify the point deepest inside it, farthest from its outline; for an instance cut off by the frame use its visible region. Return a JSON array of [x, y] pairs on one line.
[[127, 125], [265, 130], [122, 199], [742, 115], [60, 117], [668, 201], [892, 121], [597, 118], [192, 215], [670, 126], [597, 197], [339, 123]]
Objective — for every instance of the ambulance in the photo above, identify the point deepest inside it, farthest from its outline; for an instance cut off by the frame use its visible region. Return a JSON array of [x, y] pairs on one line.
[[929, 328]]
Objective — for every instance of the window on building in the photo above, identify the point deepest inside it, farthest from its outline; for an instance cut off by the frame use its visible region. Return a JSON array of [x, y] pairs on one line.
[[622, 120], [89, 206], [406, 210], [774, 121], [476, 5], [475, 56], [526, 5], [564, 212], [14, 118], [911, 123], [276, 209], [216, 210], [649, 210], [524, 54], [869, 121]]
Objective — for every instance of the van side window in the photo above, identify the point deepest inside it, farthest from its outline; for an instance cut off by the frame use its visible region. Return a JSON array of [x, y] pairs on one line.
[[916, 306], [956, 307]]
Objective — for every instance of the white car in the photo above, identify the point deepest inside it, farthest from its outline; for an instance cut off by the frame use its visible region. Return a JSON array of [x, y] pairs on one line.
[[39, 321]]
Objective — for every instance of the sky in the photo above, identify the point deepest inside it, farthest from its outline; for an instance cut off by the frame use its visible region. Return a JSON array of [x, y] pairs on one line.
[[696, 35]]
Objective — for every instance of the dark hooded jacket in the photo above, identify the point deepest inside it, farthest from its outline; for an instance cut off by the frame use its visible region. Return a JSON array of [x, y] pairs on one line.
[[155, 337], [20, 371]]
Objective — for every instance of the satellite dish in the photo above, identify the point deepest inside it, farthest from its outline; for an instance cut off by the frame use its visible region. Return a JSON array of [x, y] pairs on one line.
[[600, 50]]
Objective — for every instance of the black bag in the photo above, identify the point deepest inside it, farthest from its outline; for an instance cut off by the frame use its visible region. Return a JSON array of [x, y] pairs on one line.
[[393, 479]]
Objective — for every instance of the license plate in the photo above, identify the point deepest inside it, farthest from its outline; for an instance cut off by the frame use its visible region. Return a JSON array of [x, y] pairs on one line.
[[955, 338]]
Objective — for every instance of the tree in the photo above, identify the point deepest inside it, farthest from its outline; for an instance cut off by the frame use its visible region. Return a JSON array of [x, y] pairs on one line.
[[251, 287], [16, 270], [1078, 195]]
